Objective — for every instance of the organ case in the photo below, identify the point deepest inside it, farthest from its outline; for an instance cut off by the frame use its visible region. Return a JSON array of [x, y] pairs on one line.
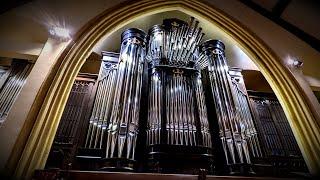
[[177, 124], [152, 110]]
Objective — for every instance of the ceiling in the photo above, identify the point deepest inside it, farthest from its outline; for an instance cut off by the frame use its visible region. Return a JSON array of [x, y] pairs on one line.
[[24, 29], [9, 4], [300, 14], [296, 16]]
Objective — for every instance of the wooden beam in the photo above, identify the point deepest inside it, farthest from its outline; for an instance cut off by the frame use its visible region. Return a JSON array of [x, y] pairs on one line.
[[281, 5], [309, 39]]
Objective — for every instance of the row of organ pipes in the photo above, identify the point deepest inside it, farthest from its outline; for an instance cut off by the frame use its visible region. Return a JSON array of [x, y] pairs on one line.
[[11, 83], [102, 105], [270, 118], [175, 86], [177, 113], [115, 117], [245, 115]]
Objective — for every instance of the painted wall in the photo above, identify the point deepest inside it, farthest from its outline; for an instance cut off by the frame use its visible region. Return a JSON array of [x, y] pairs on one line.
[[17, 116], [305, 15], [286, 45]]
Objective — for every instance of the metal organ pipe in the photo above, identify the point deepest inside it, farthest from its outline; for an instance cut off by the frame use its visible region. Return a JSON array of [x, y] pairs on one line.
[[202, 111], [12, 84], [177, 117], [231, 126], [102, 105], [176, 96], [124, 121], [242, 106]]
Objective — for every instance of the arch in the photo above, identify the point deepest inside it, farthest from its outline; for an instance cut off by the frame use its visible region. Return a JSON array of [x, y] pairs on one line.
[[287, 89]]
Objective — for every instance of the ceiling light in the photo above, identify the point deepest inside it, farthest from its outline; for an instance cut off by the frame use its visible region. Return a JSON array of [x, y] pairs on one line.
[[60, 32], [297, 63], [294, 62]]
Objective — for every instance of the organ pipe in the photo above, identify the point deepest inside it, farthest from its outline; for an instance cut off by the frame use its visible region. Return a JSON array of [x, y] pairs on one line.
[[176, 96], [243, 107], [102, 107], [231, 127], [176, 118], [124, 120], [290, 145], [274, 127], [66, 132], [12, 83]]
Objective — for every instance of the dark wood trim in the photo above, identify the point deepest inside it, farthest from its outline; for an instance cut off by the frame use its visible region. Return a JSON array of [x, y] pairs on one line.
[[10, 4], [75, 125], [309, 39], [281, 5], [87, 77]]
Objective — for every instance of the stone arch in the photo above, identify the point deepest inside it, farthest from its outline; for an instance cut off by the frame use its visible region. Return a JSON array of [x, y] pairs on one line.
[[287, 89]]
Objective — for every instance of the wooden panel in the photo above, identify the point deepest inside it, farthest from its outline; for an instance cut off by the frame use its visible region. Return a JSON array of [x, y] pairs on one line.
[[278, 142], [75, 118]]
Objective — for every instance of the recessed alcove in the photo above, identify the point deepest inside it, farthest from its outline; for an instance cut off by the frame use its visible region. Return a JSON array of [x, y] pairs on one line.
[[262, 100], [236, 56]]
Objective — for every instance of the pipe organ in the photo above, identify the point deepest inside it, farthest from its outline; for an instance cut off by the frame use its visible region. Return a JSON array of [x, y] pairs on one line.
[[124, 120], [232, 126], [11, 83], [177, 114], [72, 125], [114, 123], [102, 107], [245, 114], [277, 140], [169, 103], [275, 127]]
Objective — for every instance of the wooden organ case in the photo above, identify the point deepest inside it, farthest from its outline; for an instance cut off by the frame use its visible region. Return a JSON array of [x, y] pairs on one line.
[[170, 104], [279, 147], [70, 133]]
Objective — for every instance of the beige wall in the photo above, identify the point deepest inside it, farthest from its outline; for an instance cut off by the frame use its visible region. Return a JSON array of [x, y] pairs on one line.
[[282, 42], [11, 127], [305, 15]]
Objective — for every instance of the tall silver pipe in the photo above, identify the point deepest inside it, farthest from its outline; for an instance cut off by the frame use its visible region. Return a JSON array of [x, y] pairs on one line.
[[176, 80], [101, 112], [242, 106], [202, 110], [155, 105], [124, 121], [11, 86], [232, 129]]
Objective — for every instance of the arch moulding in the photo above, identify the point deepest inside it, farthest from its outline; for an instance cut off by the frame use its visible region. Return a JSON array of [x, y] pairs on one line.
[[35, 149]]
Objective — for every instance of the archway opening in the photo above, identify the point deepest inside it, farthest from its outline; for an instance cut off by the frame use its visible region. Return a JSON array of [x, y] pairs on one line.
[[271, 138], [73, 61]]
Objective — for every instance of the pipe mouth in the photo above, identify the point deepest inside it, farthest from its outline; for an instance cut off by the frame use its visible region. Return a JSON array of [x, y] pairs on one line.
[[155, 29], [134, 32], [211, 44]]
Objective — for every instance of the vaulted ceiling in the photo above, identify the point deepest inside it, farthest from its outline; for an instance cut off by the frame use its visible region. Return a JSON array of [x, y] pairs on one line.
[[25, 24]]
